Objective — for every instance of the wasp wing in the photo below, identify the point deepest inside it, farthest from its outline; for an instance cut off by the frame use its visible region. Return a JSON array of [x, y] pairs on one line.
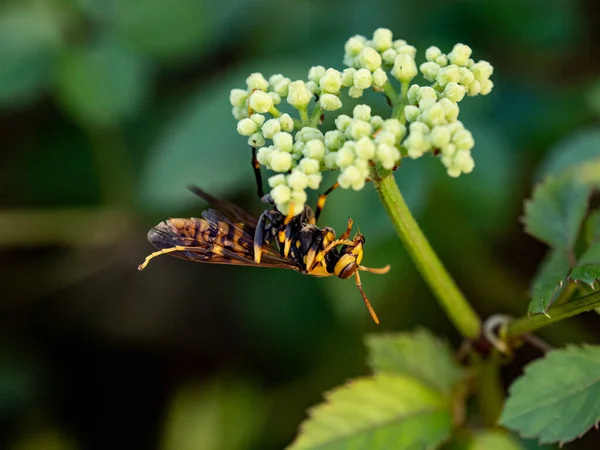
[[233, 212]]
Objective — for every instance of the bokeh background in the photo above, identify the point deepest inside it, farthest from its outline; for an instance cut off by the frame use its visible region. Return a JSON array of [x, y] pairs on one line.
[[109, 108]]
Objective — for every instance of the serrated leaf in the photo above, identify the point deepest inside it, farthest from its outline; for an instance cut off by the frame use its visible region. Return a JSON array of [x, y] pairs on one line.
[[381, 412], [558, 397], [547, 282], [576, 150], [587, 269], [417, 354], [592, 228], [555, 212]]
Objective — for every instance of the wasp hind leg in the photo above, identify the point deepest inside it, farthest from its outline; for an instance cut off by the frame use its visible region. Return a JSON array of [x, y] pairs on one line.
[[164, 251]]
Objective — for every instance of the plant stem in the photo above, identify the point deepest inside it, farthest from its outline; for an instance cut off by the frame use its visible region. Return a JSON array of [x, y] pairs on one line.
[[431, 268], [528, 324], [315, 117]]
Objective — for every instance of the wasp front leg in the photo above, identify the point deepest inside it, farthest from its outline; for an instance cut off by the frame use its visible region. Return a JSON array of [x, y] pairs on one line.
[[265, 231]]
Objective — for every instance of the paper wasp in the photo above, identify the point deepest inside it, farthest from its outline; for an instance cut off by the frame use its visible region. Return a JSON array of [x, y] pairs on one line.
[[230, 235]]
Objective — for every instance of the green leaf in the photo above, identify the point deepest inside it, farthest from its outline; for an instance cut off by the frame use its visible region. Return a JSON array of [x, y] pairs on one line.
[[558, 397], [417, 354], [592, 228], [484, 440], [102, 85], [587, 269], [381, 412], [555, 212], [576, 150], [547, 282]]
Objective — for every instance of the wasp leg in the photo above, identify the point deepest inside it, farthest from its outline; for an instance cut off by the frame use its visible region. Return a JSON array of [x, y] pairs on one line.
[[257, 175], [346, 234], [364, 296], [321, 202], [177, 248], [321, 255]]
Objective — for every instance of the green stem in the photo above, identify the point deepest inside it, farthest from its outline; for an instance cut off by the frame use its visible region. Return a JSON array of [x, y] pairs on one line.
[[398, 110], [528, 324], [315, 117], [431, 268], [390, 92], [303, 116]]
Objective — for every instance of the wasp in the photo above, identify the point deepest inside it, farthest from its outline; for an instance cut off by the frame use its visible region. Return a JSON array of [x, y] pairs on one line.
[[227, 234]]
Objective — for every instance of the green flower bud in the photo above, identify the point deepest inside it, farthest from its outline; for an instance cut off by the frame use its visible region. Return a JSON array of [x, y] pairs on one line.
[[460, 55], [238, 97], [314, 180], [389, 56], [334, 139], [342, 122], [382, 39], [275, 78], [442, 60], [258, 119], [308, 134], [297, 180], [405, 68], [271, 127], [376, 122], [281, 87], [281, 193], [419, 127], [449, 149], [463, 139], [359, 129], [298, 94], [345, 155], [430, 70], [257, 81], [440, 136], [239, 112], [315, 149], [406, 50], [283, 141], [286, 122], [315, 73], [276, 180], [309, 166], [349, 177], [370, 59], [298, 148], [453, 172], [464, 161], [264, 155], [348, 77], [386, 138], [280, 161], [331, 81], [411, 112], [260, 102], [354, 45], [379, 77], [362, 112], [276, 97], [474, 88], [299, 199], [454, 92], [313, 87], [413, 94], [466, 76], [426, 97], [256, 140], [247, 127], [331, 160], [486, 87], [395, 127], [387, 156], [355, 92], [432, 53], [482, 70], [450, 109], [363, 79], [448, 74], [330, 102], [365, 148]]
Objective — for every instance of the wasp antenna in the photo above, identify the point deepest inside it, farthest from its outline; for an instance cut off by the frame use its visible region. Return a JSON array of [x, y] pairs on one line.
[[377, 270], [364, 296], [178, 248]]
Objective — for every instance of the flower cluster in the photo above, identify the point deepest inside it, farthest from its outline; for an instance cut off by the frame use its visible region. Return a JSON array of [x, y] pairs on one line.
[[298, 151]]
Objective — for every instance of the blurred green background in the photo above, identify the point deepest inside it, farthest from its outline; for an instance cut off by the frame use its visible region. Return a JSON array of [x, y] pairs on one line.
[[109, 108]]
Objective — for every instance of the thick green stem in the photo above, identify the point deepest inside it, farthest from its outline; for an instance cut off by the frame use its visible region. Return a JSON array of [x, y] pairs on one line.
[[529, 324], [431, 268], [315, 117]]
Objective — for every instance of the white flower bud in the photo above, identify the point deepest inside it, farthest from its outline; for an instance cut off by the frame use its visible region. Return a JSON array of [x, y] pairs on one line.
[[299, 199], [486, 87], [345, 155], [450, 109], [348, 77], [463, 139], [342, 122], [362, 112], [281, 193], [453, 172], [398, 43], [382, 39], [315, 149], [256, 140], [454, 92], [264, 156], [448, 74], [442, 60], [413, 94], [386, 137], [280, 161], [405, 68], [258, 119], [387, 156], [314, 180], [283, 141], [247, 127], [281, 87], [376, 122], [466, 76], [350, 176], [297, 180], [313, 87], [334, 139], [331, 160], [331, 81], [430, 70], [432, 53], [379, 77], [359, 129], [238, 97], [298, 148], [257, 81], [309, 166], [395, 127], [286, 122], [440, 136], [406, 50], [276, 97], [464, 161], [330, 102], [260, 102], [239, 112], [315, 73], [482, 70], [370, 59], [434, 115], [298, 95], [389, 56], [363, 79], [308, 134], [355, 92], [271, 127], [411, 112], [275, 78], [276, 180], [474, 88], [365, 148], [354, 45], [449, 150], [460, 55]]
